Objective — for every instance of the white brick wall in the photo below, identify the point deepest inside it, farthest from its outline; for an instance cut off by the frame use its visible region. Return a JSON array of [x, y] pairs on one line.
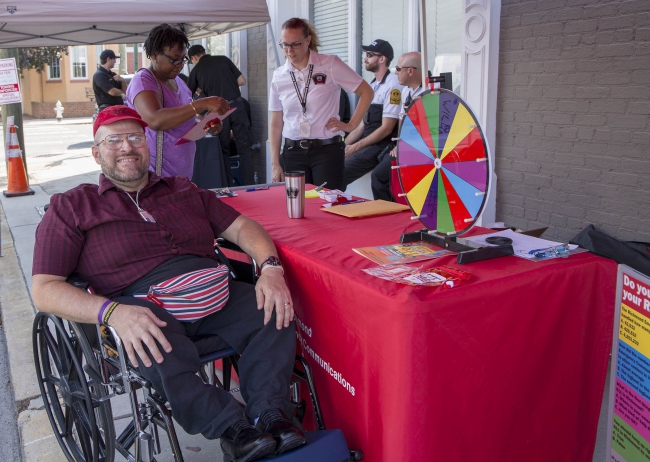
[[573, 132]]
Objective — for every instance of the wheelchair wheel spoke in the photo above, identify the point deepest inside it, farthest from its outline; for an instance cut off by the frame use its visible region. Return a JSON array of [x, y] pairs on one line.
[[84, 429], [51, 349], [64, 355], [50, 378], [57, 411]]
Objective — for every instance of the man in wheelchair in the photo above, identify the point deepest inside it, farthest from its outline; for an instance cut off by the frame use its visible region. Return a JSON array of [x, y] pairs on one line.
[[146, 246]]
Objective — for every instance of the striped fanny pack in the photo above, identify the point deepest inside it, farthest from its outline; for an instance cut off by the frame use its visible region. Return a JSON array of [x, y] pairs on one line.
[[191, 296]]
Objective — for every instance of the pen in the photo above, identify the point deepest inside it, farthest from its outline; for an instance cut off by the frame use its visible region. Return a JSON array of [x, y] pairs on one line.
[[259, 188], [318, 189], [352, 202], [561, 250]]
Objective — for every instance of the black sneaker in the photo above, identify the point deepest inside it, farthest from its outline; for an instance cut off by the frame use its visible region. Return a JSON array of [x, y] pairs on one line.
[[244, 443], [287, 435]]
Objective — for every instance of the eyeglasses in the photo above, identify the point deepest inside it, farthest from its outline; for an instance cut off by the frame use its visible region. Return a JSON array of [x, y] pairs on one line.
[[372, 55], [115, 142], [293, 45], [398, 69], [176, 62]]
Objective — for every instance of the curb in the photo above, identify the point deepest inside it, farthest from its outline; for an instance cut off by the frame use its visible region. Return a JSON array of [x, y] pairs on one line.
[[37, 440]]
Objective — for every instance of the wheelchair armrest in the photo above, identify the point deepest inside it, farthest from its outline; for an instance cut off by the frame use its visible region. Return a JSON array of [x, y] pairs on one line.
[[79, 283], [247, 271], [226, 244]]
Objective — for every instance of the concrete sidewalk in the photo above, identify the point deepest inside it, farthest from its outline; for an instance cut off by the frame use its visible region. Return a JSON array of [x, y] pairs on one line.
[[55, 164]]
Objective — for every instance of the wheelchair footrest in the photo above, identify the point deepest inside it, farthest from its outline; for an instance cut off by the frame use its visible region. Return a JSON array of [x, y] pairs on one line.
[[322, 446]]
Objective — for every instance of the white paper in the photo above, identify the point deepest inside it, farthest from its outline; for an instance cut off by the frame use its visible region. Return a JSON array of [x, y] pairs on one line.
[[198, 132], [521, 243]]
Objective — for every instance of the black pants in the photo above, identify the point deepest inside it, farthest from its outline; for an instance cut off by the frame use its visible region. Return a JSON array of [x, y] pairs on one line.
[[265, 366], [319, 164], [241, 128], [362, 162], [380, 177]]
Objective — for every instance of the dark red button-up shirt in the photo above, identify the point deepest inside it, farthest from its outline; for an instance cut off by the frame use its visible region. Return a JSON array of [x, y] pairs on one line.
[[97, 232]]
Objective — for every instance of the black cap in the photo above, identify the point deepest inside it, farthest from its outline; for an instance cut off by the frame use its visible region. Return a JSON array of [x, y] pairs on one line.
[[380, 46], [106, 54], [195, 50]]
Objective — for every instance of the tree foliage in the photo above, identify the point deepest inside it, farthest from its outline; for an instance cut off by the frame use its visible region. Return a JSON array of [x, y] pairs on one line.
[[38, 58]]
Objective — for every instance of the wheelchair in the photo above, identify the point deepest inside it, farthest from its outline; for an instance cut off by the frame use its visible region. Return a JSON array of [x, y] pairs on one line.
[[81, 368]]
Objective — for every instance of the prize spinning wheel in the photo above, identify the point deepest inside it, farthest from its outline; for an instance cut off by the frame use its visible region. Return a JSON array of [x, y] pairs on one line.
[[443, 161]]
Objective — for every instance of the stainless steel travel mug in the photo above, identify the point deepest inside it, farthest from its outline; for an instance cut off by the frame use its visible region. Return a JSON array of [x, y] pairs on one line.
[[295, 184]]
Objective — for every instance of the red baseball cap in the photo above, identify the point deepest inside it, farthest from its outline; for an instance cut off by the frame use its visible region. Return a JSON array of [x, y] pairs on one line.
[[114, 114]]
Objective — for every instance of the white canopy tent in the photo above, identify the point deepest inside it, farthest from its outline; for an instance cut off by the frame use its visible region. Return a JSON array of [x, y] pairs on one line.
[[34, 23]]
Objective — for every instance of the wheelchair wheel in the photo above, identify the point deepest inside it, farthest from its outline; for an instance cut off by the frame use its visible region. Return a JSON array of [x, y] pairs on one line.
[[82, 423]]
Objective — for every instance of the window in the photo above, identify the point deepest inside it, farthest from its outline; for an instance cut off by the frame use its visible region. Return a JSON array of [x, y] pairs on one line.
[[78, 62], [377, 24], [54, 69], [331, 22], [444, 38]]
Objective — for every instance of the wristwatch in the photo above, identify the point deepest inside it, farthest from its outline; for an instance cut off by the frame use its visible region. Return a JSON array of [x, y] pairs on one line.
[[273, 262]]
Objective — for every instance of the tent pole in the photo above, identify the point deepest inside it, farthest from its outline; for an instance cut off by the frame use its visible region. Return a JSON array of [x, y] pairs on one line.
[[275, 45], [423, 44]]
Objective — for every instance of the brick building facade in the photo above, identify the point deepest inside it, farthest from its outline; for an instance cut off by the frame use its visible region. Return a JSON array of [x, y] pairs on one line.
[[573, 133]]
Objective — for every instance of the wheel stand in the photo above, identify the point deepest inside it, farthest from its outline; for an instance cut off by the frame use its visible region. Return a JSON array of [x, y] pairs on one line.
[[466, 254]]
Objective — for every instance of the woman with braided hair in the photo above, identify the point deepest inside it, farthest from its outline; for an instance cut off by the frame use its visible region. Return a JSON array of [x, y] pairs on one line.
[[163, 101]]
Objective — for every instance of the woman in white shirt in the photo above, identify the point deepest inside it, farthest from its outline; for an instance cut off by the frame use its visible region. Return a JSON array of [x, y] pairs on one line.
[[304, 105]]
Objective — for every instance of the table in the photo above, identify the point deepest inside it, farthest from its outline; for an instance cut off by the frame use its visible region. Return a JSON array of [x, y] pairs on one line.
[[210, 167], [509, 366]]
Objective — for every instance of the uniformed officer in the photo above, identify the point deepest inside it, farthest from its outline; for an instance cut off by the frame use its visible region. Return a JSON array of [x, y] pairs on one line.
[[304, 105], [372, 138], [218, 76], [409, 74], [109, 88]]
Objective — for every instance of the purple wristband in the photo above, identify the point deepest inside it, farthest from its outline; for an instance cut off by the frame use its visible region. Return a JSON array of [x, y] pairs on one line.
[[100, 315]]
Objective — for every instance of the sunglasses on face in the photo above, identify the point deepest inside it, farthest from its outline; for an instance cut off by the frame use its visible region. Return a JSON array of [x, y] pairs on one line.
[[176, 62], [372, 55], [398, 68]]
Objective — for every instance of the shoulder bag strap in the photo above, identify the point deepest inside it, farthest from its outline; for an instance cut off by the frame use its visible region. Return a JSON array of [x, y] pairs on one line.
[[159, 133]]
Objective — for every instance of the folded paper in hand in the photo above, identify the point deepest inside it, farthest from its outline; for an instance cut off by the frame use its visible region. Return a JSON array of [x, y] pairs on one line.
[[198, 131]]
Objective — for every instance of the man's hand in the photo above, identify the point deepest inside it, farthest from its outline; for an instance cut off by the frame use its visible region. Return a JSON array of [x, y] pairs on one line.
[[277, 174], [351, 149], [136, 325], [272, 291], [335, 125], [393, 152]]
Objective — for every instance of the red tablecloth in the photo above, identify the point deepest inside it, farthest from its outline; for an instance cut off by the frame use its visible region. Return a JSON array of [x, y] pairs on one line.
[[509, 366]]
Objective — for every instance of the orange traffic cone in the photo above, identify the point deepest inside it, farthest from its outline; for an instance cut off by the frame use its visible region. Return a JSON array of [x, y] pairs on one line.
[[16, 177]]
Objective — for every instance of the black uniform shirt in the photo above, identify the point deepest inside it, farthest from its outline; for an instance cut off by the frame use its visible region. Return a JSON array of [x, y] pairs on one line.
[[215, 76], [102, 83]]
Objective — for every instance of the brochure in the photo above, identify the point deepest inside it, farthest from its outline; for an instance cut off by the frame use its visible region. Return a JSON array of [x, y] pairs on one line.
[[402, 253], [402, 274]]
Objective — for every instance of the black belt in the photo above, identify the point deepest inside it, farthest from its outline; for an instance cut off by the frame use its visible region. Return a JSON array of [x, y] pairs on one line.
[[234, 100], [104, 106], [306, 144]]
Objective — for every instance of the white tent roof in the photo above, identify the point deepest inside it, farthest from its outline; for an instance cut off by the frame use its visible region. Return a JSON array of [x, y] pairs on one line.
[[34, 23]]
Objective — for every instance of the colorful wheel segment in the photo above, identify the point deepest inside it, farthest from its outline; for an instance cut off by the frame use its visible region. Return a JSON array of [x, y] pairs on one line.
[[443, 163]]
